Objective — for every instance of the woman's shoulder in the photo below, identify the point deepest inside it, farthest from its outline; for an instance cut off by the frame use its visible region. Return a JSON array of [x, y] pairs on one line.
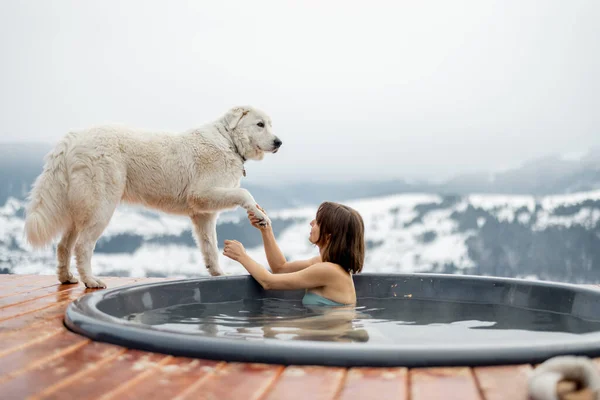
[[328, 266], [315, 260]]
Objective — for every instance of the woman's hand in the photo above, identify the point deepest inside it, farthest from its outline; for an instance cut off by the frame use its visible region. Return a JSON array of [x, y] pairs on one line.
[[234, 250], [254, 220]]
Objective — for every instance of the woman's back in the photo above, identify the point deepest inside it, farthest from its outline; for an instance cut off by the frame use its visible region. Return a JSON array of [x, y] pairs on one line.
[[338, 287]]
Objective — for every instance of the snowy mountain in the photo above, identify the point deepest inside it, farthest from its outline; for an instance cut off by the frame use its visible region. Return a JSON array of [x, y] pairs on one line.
[[547, 237], [555, 173]]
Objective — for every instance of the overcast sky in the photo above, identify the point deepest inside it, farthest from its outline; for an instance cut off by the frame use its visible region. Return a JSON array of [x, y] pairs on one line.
[[431, 88]]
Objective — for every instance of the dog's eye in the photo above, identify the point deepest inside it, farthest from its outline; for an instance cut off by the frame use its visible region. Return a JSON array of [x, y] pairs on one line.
[[261, 124]]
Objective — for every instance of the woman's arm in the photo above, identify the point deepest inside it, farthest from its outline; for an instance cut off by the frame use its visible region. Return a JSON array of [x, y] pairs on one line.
[[275, 257], [307, 278], [277, 260]]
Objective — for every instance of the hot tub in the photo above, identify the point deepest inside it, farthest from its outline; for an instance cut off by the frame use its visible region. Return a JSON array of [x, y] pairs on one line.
[[408, 320]]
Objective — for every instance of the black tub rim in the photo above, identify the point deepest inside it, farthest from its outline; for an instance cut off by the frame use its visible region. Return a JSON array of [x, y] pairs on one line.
[[83, 317]]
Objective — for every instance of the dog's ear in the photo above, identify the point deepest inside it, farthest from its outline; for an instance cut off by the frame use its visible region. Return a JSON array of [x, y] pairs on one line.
[[234, 116]]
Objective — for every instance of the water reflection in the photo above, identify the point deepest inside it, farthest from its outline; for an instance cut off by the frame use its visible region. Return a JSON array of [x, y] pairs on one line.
[[374, 320], [339, 324], [259, 319]]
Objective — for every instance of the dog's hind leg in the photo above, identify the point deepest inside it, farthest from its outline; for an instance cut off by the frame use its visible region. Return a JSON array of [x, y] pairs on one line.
[[205, 229], [63, 254], [95, 191], [90, 229], [83, 254]]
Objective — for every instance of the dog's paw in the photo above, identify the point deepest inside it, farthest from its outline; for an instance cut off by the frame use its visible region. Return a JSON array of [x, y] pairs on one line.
[[263, 219], [265, 222], [215, 271], [67, 279], [93, 283]]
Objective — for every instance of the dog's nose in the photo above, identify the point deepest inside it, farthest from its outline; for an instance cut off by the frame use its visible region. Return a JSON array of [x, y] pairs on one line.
[[277, 143]]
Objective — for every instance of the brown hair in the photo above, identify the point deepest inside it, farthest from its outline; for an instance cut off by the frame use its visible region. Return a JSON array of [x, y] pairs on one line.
[[342, 236]]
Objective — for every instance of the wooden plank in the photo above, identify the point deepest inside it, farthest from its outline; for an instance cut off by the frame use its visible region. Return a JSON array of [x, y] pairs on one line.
[[39, 304], [375, 384], [166, 381], [234, 381], [52, 311], [21, 282], [56, 288], [40, 280], [503, 382], [96, 382], [34, 294], [307, 382], [40, 316], [443, 383], [9, 276], [9, 289], [51, 300], [29, 283], [13, 341], [63, 367], [19, 361]]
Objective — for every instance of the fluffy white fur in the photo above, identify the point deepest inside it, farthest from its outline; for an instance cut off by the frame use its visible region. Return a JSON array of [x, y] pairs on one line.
[[196, 173]]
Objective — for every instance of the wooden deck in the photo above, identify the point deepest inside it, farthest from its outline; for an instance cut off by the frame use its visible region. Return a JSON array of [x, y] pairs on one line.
[[40, 359]]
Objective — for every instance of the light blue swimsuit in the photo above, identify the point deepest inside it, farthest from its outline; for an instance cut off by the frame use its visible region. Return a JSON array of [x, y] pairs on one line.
[[313, 299]]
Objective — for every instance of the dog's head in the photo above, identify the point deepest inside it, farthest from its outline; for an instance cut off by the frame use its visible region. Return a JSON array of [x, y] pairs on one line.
[[252, 132]]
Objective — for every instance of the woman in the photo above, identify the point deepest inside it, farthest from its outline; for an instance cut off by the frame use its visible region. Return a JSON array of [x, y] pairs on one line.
[[338, 232]]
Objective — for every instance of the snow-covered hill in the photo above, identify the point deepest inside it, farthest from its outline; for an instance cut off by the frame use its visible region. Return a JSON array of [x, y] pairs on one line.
[[553, 237]]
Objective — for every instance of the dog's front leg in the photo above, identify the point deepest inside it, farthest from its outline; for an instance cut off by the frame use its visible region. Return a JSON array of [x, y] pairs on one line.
[[218, 199], [205, 229]]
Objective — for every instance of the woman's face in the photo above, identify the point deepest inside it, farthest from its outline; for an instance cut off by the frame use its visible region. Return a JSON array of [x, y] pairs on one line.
[[314, 232]]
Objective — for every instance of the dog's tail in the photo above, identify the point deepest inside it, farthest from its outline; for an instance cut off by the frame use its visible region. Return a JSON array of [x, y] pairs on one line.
[[46, 212]]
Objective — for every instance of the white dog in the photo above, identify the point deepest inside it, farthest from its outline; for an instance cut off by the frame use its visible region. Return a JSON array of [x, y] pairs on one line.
[[196, 173]]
